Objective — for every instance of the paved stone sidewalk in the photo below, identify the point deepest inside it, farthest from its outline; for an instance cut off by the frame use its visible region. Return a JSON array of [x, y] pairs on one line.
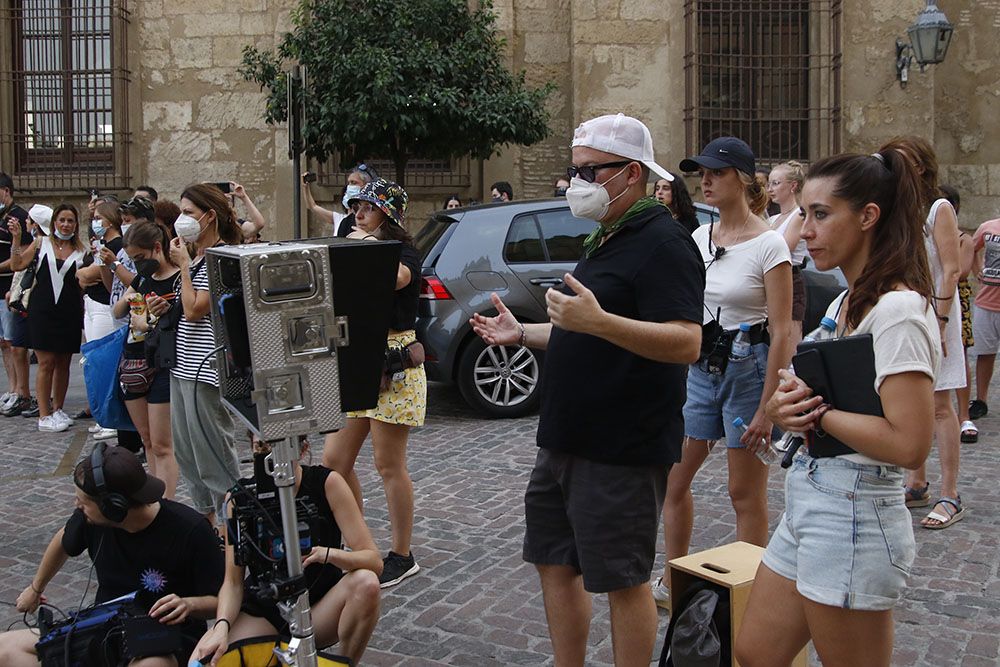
[[474, 602]]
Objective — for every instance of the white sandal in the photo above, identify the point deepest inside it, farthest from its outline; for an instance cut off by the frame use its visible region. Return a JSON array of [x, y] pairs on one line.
[[969, 432]]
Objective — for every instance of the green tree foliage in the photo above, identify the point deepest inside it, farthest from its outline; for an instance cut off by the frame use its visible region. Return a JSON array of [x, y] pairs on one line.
[[395, 80]]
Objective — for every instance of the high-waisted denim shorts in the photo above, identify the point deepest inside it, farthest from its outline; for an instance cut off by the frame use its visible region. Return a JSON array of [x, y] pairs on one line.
[[846, 537], [714, 401]]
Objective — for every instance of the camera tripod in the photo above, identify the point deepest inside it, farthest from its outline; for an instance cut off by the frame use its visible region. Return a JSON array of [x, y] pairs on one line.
[[301, 651]]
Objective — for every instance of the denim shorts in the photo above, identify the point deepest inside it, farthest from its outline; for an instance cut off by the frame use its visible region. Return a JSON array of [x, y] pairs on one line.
[[846, 538], [714, 401], [6, 321]]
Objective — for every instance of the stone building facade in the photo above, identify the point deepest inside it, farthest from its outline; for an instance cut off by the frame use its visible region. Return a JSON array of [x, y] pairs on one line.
[[191, 117]]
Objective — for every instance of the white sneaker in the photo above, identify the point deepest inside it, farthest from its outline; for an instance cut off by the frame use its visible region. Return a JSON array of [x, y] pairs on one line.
[[5, 397], [94, 428], [51, 424], [661, 594], [63, 417], [8, 399], [105, 434]]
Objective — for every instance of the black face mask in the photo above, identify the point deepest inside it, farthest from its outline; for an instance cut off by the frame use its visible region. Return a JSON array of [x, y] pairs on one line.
[[560, 192], [146, 267], [498, 198]]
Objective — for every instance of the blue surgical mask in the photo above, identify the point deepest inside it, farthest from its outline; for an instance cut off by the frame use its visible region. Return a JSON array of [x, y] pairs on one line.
[[349, 194], [98, 228]]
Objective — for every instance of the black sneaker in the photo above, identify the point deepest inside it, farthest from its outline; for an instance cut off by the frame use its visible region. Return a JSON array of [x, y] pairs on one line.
[[83, 414], [30, 409], [395, 568], [16, 408], [977, 409]]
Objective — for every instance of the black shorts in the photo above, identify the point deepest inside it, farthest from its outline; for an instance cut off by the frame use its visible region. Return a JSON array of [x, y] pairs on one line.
[[19, 331], [159, 389], [598, 518]]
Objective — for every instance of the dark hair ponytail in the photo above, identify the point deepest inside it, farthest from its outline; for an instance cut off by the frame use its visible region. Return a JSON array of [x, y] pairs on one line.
[[898, 254], [145, 235]]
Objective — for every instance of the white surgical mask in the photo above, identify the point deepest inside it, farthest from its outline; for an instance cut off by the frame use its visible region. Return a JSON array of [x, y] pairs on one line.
[[349, 194], [98, 228], [188, 228], [125, 227], [590, 200], [63, 237]]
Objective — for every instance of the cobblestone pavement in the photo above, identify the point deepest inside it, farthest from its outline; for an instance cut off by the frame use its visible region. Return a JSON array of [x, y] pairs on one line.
[[474, 602]]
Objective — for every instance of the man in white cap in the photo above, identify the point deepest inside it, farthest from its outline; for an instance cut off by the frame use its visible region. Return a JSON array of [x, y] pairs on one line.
[[623, 330]]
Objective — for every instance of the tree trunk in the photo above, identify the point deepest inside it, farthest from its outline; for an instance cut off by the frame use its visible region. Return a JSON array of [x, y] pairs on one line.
[[400, 161]]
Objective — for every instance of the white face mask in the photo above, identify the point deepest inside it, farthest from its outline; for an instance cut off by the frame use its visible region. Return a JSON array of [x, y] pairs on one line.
[[590, 200], [188, 228], [63, 237], [349, 194], [125, 227]]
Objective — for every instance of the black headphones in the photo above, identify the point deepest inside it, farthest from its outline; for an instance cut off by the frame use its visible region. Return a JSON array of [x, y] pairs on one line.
[[113, 505]]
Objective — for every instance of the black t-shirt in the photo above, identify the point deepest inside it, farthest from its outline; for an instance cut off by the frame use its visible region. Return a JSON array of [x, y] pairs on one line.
[[324, 533], [6, 277], [177, 553], [600, 401], [404, 305], [99, 292], [169, 285], [346, 226]]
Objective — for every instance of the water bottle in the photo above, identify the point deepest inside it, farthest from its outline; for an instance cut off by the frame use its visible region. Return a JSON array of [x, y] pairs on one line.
[[767, 455], [826, 330], [741, 344]]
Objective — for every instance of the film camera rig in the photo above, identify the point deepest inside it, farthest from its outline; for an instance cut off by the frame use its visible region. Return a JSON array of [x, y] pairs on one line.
[[301, 328]]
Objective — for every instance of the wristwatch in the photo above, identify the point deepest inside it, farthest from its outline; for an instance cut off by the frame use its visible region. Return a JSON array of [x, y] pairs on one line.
[[114, 265]]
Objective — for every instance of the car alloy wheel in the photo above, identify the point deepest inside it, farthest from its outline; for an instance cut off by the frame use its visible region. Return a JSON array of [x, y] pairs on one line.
[[501, 380]]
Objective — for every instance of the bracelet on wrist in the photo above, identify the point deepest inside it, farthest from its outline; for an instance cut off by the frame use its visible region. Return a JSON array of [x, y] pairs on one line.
[[524, 336], [229, 626], [35, 590]]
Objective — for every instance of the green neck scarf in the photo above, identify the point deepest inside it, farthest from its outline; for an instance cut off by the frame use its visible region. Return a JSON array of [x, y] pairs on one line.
[[593, 242]]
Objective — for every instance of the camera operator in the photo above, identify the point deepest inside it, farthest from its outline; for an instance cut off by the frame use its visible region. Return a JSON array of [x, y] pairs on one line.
[[137, 541], [380, 208], [360, 176], [343, 585]]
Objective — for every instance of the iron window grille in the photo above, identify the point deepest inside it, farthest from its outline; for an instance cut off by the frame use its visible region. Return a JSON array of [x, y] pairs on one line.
[[64, 80], [766, 71]]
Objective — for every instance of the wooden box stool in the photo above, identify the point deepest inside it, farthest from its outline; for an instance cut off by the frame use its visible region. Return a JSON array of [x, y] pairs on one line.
[[733, 568]]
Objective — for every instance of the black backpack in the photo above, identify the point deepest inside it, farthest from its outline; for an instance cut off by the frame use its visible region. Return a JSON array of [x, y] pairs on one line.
[[699, 630]]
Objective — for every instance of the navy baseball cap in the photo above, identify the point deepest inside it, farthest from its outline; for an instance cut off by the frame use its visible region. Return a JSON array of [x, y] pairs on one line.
[[721, 153]]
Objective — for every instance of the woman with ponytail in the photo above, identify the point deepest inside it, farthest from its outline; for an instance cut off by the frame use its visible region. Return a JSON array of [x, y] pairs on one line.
[[748, 282], [839, 559], [149, 407], [941, 239]]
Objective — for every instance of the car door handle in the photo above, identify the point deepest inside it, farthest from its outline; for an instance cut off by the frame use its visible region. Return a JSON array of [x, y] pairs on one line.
[[546, 282]]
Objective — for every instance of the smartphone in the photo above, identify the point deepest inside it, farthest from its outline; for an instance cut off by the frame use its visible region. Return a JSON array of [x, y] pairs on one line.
[[225, 186], [309, 177], [94, 193]]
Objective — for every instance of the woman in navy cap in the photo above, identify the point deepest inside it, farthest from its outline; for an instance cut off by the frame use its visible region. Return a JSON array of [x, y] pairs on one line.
[[379, 211], [749, 283]]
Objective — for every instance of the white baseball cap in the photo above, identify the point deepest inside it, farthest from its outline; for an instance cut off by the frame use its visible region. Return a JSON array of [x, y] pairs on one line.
[[620, 135], [41, 215]]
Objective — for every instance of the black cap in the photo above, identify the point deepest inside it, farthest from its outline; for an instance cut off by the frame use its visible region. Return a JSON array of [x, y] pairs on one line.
[[122, 474], [721, 153]]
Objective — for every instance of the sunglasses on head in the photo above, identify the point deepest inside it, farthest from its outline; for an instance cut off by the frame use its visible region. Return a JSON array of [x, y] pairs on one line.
[[589, 172]]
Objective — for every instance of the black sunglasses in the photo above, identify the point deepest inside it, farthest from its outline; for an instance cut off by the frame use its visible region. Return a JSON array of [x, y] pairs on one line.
[[589, 172]]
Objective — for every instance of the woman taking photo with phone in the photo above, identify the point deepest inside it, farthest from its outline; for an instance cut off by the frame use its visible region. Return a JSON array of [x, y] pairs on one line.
[[198, 421], [748, 282], [55, 312], [147, 388], [379, 211], [840, 556]]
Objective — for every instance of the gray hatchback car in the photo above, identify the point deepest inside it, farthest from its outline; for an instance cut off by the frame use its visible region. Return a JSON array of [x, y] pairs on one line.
[[519, 250]]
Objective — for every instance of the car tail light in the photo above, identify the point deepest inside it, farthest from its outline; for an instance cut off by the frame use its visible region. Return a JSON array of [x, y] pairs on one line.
[[431, 287]]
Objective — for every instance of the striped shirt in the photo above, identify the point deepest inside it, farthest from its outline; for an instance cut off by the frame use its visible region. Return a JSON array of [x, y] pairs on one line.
[[195, 339]]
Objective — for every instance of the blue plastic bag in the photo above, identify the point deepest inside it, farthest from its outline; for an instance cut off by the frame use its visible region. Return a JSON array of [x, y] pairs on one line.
[[100, 375]]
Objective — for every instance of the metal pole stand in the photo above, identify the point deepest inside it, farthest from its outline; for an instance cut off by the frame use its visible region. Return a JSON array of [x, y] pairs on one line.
[[301, 651]]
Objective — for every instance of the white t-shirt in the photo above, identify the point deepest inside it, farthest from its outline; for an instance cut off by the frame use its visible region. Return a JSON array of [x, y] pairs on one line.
[[735, 281], [800, 251], [905, 338]]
